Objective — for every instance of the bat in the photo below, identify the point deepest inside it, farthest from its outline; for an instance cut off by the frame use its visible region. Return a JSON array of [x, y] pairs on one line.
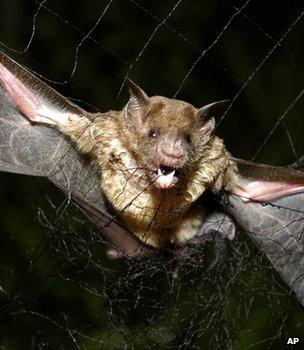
[[154, 147], [38, 150]]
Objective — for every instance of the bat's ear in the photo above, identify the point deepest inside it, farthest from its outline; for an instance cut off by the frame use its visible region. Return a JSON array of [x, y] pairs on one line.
[[139, 103], [205, 117]]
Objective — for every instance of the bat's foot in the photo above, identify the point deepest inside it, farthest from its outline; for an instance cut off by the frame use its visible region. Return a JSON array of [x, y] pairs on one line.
[[116, 253]]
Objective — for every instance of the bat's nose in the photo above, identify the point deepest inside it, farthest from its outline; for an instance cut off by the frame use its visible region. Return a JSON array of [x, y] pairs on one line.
[[175, 152], [172, 146]]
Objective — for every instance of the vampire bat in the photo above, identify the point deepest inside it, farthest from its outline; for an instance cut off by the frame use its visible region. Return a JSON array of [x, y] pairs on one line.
[[149, 164]]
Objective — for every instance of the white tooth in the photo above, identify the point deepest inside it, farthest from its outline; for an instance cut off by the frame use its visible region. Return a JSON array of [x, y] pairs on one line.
[[165, 181], [159, 172]]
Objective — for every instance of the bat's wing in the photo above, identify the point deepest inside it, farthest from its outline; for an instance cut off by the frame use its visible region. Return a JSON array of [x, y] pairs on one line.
[[122, 243], [261, 182], [276, 221], [27, 149], [42, 151]]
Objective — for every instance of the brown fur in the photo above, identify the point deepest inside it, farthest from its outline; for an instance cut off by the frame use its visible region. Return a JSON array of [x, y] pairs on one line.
[[123, 153]]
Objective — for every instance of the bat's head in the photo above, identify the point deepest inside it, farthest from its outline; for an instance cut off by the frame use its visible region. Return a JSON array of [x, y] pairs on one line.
[[166, 136]]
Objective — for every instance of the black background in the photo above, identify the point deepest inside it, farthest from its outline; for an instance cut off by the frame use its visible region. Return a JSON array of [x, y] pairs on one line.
[[55, 292]]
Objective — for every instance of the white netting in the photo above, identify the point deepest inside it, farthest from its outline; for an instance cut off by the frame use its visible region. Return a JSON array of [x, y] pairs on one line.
[[57, 287]]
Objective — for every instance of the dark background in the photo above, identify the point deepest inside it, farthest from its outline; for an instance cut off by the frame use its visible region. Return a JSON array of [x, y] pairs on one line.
[[57, 288]]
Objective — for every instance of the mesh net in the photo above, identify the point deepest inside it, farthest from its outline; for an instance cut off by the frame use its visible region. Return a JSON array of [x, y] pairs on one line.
[[58, 289]]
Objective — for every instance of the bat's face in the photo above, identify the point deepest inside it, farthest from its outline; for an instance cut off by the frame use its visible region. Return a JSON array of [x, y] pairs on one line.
[[166, 138], [171, 137], [172, 141]]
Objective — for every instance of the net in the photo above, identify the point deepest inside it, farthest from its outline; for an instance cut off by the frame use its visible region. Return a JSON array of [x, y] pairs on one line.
[[58, 289]]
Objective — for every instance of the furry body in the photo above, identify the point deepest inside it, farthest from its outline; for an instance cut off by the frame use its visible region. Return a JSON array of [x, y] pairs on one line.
[[156, 216]]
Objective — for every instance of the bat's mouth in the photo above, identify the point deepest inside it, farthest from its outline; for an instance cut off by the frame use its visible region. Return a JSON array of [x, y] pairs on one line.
[[165, 176]]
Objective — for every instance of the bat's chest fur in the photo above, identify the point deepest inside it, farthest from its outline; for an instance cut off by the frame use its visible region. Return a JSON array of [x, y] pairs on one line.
[[155, 216], [152, 215]]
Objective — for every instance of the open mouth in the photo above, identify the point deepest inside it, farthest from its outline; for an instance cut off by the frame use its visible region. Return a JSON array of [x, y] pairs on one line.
[[165, 176]]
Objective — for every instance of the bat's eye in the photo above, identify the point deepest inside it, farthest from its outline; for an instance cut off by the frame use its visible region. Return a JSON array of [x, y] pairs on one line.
[[188, 138], [152, 134]]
